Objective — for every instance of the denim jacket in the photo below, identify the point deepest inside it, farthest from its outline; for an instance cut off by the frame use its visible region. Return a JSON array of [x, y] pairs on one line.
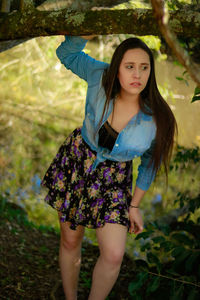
[[136, 139]]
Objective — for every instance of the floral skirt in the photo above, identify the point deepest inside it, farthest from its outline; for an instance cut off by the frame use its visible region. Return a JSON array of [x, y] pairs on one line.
[[84, 196]]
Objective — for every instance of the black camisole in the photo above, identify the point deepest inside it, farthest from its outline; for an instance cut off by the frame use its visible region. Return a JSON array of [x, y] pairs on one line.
[[107, 136]]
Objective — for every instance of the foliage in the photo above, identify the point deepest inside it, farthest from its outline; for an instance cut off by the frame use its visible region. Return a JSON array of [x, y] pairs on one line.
[[196, 94], [172, 250]]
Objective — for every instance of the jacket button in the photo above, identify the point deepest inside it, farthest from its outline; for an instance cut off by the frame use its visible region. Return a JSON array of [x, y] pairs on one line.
[[117, 145]]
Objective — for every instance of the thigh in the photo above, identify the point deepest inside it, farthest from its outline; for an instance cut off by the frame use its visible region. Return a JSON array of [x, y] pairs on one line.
[[112, 239], [72, 238]]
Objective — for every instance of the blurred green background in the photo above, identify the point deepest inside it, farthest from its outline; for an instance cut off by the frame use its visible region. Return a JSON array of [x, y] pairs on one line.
[[41, 103]]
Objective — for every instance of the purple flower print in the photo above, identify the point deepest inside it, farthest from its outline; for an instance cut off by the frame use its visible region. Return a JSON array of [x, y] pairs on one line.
[[89, 169], [95, 186], [109, 179], [106, 218], [120, 194], [100, 201], [86, 197], [81, 183], [90, 153], [66, 204], [64, 159], [60, 175], [106, 172], [94, 203], [62, 218]]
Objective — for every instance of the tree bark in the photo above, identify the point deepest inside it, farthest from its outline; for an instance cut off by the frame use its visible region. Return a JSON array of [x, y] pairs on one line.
[[34, 23], [182, 55]]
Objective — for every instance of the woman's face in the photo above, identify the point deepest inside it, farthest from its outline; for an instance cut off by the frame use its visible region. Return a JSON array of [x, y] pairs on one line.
[[134, 71]]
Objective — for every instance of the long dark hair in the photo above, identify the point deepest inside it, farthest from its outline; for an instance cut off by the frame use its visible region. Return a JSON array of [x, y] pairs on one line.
[[150, 98]]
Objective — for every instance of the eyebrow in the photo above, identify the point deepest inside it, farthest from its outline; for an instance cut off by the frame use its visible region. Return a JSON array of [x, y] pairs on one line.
[[134, 63]]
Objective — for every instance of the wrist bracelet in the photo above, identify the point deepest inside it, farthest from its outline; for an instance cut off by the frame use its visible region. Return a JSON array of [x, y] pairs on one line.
[[133, 206]]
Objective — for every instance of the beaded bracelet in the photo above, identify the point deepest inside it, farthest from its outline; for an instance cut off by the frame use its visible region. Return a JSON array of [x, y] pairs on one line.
[[133, 206]]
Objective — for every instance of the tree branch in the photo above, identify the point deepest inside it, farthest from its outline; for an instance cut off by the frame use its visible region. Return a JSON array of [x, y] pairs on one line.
[[183, 57], [33, 23]]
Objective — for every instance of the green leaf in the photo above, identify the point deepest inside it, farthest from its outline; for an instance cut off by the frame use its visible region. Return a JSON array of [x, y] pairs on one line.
[[177, 251], [196, 96], [178, 293], [158, 239], [197, 91], [191, 260], [194, 295], [152, 258], [182, 238], [144, 235], [153, 285], [138, 283], [146, 246], [167, 245], [136, 296], [165, 229], [179, 78], [141, 264], [181, 258]]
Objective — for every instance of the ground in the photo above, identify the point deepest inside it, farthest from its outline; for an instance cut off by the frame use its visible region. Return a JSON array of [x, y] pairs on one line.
[[29, 262]]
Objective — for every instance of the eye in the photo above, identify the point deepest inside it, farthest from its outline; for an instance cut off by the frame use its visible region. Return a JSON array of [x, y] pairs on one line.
[[129, 66], [144, 68]]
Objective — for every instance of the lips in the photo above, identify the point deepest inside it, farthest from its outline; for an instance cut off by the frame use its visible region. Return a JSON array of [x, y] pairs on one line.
[[135, 84]]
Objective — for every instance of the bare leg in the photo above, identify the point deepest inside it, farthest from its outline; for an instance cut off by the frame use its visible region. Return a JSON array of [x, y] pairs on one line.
[[70, 258], [111, 239]]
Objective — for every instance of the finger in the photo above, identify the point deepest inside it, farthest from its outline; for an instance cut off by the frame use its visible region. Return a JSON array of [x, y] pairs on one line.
[[132, 227], [138, 229]]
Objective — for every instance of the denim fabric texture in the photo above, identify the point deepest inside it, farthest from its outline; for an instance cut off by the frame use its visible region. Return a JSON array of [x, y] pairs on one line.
[[136, 139]]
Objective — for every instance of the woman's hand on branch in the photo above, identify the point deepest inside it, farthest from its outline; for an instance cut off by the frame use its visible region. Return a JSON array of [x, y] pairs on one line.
[[88, 37], [136, 222]]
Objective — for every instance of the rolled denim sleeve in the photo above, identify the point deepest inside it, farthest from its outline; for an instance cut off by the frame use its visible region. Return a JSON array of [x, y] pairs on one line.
[[73, 58], [146, 173]]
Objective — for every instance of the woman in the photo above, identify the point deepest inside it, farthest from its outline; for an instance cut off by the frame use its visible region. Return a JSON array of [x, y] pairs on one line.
[[90, 179]]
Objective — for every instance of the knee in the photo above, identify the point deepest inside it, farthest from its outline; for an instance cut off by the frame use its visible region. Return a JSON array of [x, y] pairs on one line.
[[70, 244], [113, 257]]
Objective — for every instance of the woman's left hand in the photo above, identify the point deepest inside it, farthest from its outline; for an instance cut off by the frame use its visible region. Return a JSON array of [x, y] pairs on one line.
[[136, 222]]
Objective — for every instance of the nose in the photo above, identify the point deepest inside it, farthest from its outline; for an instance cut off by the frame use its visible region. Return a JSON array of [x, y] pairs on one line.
[[136, 73]]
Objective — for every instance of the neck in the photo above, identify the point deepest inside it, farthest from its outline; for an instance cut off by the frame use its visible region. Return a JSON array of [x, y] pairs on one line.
[[128, 98]]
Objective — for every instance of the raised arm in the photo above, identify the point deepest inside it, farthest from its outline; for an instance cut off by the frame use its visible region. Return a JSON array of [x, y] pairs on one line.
[[71, 55]]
